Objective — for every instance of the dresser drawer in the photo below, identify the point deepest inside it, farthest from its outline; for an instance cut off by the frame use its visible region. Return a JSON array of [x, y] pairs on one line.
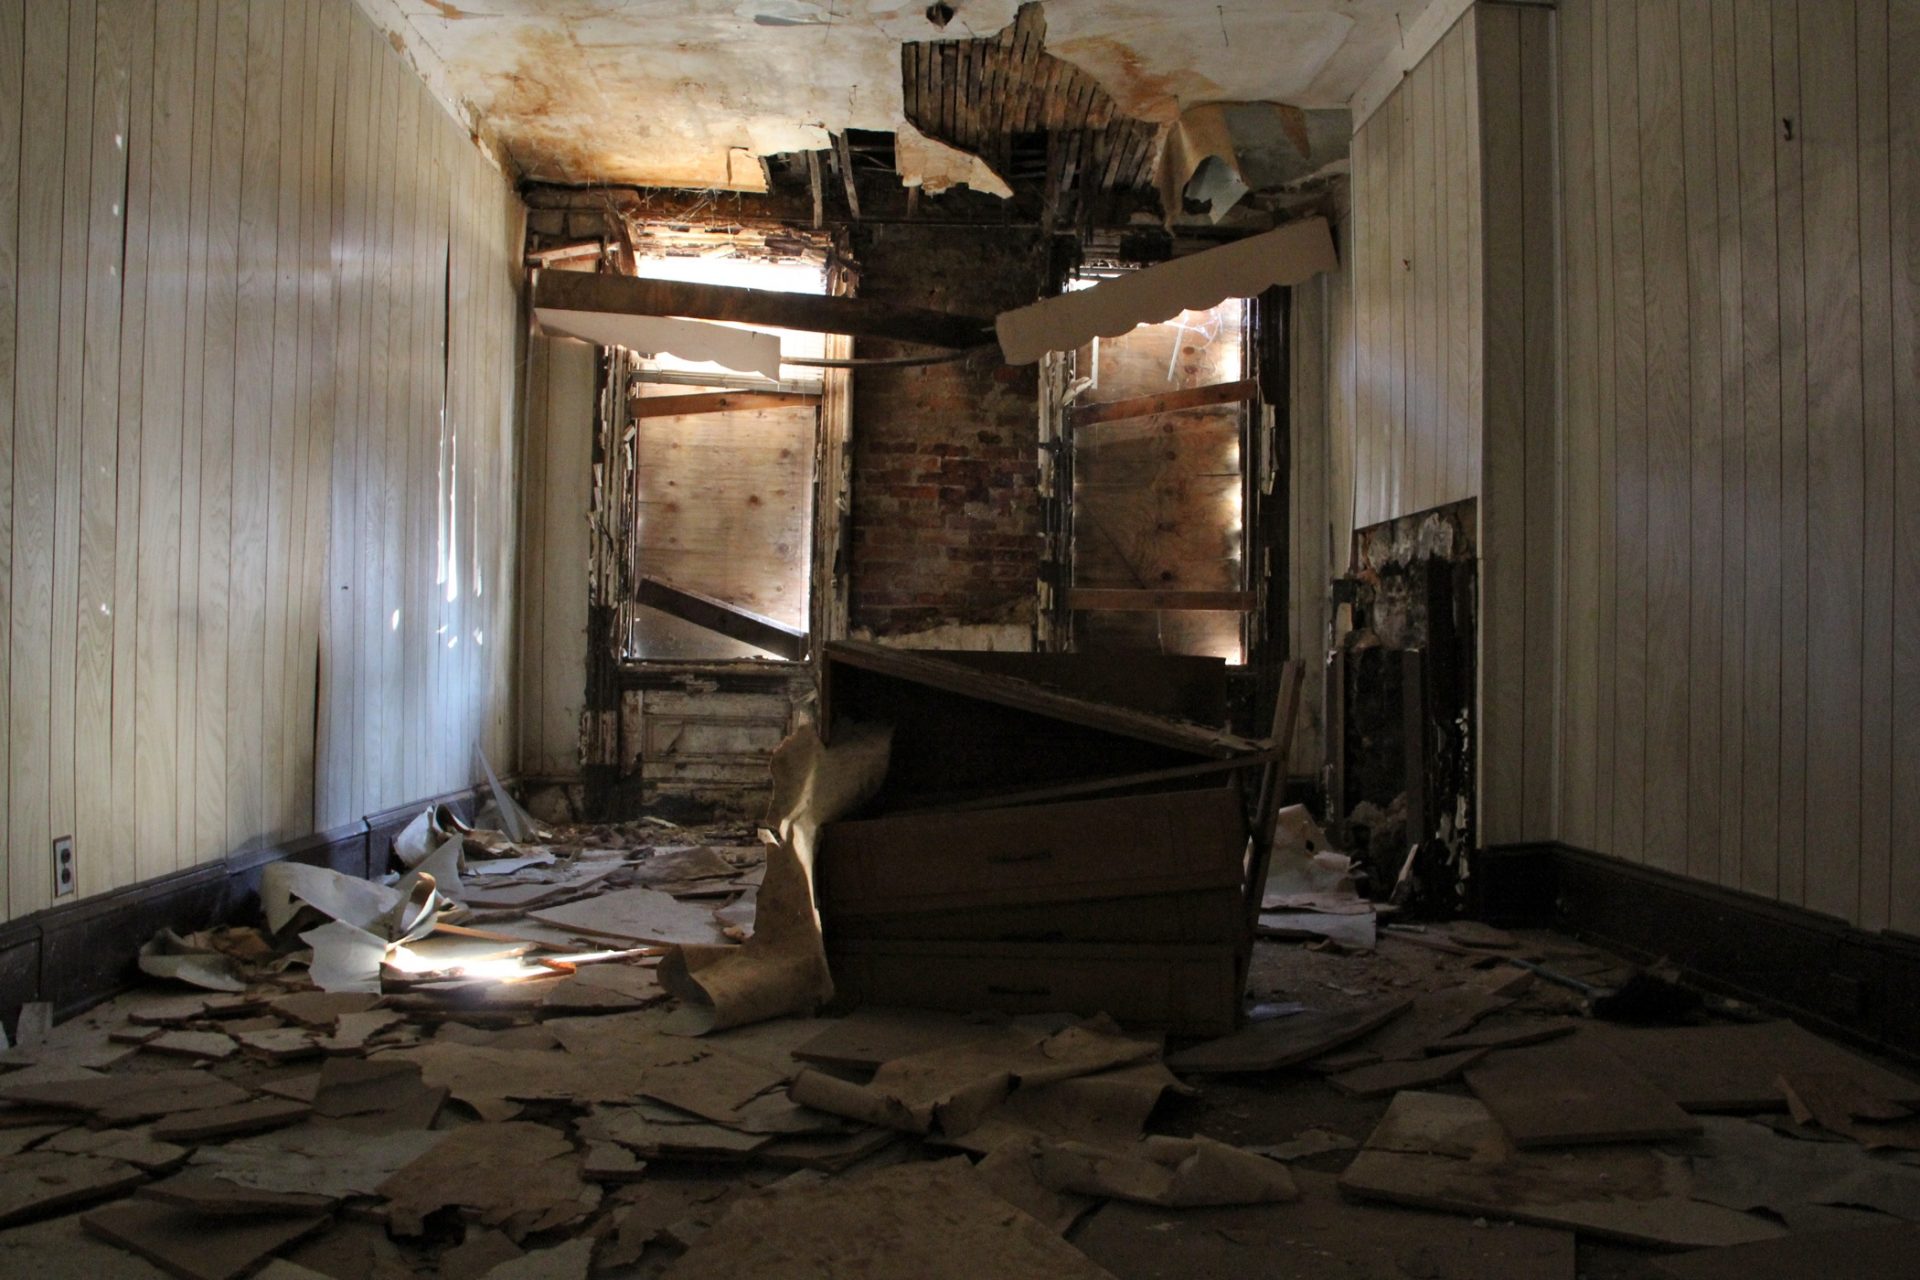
[[1127, 846]]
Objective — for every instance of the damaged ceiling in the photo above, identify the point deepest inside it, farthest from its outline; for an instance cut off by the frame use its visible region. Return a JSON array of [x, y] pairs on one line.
[[693, 93]]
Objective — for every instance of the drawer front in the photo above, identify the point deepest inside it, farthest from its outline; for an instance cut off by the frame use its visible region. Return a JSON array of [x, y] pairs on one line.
[[1122, 847], [1207, 915], [1182, 990]]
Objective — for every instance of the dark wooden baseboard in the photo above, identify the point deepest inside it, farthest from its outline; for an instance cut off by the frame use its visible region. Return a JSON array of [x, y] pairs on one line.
[[77, 954], [1820, 970]]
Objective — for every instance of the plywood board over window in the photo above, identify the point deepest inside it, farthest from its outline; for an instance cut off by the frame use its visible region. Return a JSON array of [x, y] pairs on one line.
[[1157, 497]]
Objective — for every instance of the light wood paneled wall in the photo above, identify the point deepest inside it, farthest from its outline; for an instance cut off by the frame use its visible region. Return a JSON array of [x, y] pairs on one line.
[[257, 369], [1741, 581], [1414, 262]]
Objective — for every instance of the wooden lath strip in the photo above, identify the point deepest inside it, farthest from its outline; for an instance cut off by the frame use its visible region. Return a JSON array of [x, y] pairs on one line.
[[1132, 600]]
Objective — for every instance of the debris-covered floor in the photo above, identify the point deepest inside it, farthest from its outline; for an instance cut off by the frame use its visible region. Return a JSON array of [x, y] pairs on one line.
[[1422, 1107]]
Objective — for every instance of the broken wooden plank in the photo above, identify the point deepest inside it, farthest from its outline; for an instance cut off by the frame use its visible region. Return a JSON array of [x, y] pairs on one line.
[[717, 402], [1139, 600], [1087, 415], [810, 313], [727, 619]]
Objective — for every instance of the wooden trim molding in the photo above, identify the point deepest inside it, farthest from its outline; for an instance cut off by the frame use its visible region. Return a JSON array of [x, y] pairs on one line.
[[1088, 415]]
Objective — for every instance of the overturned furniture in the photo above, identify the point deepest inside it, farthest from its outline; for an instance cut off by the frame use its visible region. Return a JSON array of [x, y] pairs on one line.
[[1035, 851]]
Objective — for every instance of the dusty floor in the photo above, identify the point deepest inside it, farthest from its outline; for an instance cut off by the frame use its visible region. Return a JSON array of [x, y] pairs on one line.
[[466, 1127]]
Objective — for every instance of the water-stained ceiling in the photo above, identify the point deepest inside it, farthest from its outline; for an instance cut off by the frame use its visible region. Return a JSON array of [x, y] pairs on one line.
[[689, 93]]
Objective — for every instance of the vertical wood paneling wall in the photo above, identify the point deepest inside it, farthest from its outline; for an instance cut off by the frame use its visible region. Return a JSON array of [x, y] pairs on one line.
[[258, 330], [1414, 262], [1440, 363], [1741, 579]]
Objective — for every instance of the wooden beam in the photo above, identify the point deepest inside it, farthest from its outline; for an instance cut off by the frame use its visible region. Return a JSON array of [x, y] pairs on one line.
[[1130, 600], [717, 402], [1164, 402], [817, 187], [846, 174], [808, 312], [727, 619]]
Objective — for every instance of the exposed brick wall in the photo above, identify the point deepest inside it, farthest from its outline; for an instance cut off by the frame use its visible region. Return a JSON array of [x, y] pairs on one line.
[[946, 520]]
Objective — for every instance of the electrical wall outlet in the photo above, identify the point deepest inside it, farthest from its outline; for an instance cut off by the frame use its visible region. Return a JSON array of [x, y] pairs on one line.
[[66, 876]]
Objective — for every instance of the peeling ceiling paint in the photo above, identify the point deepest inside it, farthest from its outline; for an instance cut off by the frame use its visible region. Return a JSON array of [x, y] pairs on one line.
[[690, 92]]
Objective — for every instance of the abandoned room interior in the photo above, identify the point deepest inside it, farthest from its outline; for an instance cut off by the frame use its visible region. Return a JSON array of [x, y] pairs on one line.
[[1002, 638]]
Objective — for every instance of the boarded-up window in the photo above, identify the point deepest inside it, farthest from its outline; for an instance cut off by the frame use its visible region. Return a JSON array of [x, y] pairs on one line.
[[1157, 496], [722, 496]]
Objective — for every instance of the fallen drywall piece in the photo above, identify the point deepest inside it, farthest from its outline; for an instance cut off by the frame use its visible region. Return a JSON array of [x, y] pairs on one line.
[[216, 1198], [782, 968], [1736, 1066], [323, 1162], [321, 1010], [1351, 930], [1436, 1151], [1860, 1253], [742, 350], [1323, 1237], [951, 1090], [131, 1146], [1840, 1105], [935, 167], [1108, 1108], [1200, 142], [1284, 256], [193, 1246], [256, 1116], [126, 1099], [61, 1249], [1744, 1165], [515, 821], [1573, 1091], [638, 915], [522, 1178], [1379, 1079], [655, 1131], [35, 1183], [1174, 1172], [1285, 1042], [376, 1095], [169, 956], [929, 1221], [567, 1261]]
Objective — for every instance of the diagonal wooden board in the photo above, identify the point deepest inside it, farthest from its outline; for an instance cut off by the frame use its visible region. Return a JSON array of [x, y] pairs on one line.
[[1874, 1253], [1573, 1091]]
